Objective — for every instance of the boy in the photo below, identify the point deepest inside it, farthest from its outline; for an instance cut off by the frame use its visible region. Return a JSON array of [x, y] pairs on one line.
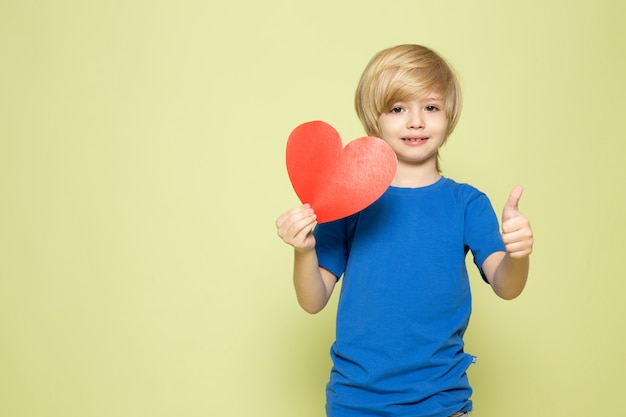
[[405, 300]]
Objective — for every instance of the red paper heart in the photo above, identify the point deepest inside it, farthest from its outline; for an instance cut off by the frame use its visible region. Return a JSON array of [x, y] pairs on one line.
[[337, 181]]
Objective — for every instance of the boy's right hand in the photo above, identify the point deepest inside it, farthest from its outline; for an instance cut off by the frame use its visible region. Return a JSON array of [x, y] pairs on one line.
[[295, 226]]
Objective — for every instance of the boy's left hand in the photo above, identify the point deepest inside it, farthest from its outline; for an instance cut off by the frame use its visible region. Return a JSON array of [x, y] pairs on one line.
[[517, 234]]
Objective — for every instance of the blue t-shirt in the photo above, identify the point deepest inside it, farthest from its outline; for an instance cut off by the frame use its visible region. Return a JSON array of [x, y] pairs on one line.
[[405, 300]]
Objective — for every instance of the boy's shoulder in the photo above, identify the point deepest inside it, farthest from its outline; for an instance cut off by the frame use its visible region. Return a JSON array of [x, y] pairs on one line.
[[463, 188]]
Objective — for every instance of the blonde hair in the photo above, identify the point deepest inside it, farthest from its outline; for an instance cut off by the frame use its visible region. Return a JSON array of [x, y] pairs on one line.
[[401, 73]]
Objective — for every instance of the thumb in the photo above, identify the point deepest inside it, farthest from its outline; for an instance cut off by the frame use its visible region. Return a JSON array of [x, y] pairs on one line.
[[511, 207]]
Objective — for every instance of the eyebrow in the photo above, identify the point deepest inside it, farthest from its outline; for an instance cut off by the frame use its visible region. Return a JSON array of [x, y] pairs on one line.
[[429, 97]]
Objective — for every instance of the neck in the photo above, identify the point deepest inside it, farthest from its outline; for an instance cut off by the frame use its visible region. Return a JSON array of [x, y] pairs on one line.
[[415, 176]]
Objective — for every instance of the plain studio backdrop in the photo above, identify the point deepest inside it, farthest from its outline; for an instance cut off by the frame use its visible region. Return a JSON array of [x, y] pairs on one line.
[[142, 167]]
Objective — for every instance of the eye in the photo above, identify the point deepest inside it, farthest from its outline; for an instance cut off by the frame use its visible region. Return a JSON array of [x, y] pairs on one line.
[[431, 108], [396, 109]]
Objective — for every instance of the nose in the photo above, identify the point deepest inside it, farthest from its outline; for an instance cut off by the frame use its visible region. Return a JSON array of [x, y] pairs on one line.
[[415, 120]]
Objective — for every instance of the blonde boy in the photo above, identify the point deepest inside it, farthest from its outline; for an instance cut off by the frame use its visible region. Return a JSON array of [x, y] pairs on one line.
[[405, 300]]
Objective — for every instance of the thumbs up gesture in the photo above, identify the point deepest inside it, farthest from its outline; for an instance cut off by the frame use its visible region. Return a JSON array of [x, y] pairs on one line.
[[517, 234]]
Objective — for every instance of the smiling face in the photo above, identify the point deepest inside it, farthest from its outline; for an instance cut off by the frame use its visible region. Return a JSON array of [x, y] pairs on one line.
[[400, 74], [415, 129]]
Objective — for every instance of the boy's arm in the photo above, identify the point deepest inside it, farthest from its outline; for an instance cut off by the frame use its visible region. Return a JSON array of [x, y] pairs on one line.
[[314, 285], [507, 275], [507, 272]]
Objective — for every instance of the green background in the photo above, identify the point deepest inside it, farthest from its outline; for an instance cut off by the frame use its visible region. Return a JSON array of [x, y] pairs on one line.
[[142, 168]]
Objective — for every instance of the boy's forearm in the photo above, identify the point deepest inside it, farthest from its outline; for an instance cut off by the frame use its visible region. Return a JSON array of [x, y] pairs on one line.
[[311, 290], [510, 276]]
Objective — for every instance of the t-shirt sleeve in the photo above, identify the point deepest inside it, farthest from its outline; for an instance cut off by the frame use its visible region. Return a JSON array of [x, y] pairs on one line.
[[482, 230], [332, 245]]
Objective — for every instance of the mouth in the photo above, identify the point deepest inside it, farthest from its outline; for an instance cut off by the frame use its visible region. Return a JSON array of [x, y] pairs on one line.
[[415, 139]]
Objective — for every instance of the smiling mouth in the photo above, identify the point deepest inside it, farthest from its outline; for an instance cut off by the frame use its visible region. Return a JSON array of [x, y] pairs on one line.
[[414, 140]]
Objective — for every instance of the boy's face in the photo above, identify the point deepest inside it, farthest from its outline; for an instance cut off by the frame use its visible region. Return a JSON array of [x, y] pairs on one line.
[[415, 129]]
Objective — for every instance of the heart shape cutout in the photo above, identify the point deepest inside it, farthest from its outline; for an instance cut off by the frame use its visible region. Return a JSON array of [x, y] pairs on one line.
[[334, 180]]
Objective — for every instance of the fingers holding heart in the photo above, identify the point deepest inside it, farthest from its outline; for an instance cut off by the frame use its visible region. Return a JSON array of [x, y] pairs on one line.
[[295, 226]]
